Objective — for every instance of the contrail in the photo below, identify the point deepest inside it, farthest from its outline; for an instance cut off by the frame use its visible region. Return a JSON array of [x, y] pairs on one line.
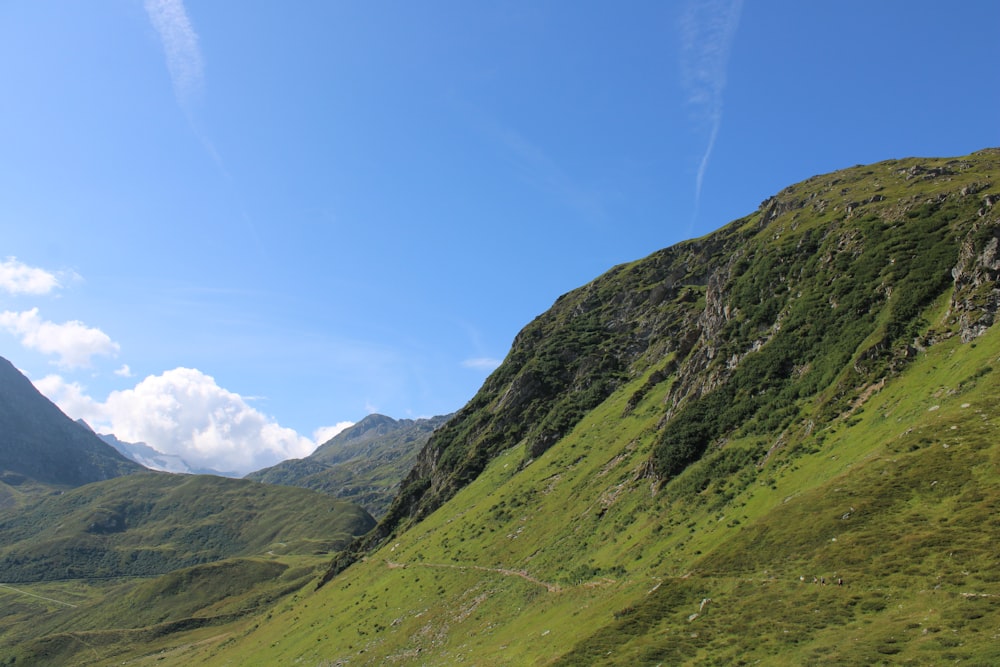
[[708, 28], [180, 45], [187, 74]]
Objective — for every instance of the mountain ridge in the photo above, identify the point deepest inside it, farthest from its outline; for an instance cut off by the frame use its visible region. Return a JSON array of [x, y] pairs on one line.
[[154, 522], [153, 459], [364, 463], [41, 443]]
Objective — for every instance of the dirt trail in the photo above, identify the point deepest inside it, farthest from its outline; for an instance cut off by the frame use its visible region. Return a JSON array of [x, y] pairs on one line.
[[35, 595], [551, 588]]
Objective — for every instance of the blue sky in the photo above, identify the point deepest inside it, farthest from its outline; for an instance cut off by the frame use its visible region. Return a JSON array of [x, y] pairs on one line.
[[229, 227]]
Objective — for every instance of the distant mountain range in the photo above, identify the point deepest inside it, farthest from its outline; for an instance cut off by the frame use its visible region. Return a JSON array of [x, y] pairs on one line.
[[154, 459], [364, 463]]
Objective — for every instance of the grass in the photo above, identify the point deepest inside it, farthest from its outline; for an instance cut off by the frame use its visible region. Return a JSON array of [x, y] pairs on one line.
[[889, 486], [100, 622], [630, 568], [152, 523]]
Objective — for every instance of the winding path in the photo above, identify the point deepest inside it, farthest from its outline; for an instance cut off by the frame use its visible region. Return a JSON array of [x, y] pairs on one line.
[[35, 595], [551, 588]]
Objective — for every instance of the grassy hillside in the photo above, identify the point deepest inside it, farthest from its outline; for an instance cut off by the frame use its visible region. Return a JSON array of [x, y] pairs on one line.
[[773, 445], [363, 464], [580, 558], [671, 455], [152, 523], [787, 314], [101, 622]]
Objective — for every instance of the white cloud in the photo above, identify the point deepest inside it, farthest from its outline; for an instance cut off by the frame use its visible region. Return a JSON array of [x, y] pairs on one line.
[[482, 363], [74, 342], [19, 278], [708, 28], [324, 433], [184, 412], [180, 45], [71, 397], [124, 371]]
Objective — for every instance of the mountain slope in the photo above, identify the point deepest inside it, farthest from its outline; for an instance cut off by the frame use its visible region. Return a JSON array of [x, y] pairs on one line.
[[41, 443], [152, 523], [784, 316], [579, 559], [363, 464], [671, 454]]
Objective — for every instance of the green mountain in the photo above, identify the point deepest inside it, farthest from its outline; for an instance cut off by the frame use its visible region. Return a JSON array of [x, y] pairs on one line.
[[127, 560], [38, 443], [363, 464], [775, 444], [784, 317], [153, 523]]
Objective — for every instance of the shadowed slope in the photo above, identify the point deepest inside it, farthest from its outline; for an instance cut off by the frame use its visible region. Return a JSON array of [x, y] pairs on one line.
[[41, 443]]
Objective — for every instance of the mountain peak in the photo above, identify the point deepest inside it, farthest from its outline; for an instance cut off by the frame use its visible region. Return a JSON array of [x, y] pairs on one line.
[[41, 443], [363, 463]]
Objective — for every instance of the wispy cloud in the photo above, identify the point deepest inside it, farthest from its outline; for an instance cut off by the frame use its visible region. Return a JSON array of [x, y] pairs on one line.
[[73, 342], [481, 363], [187, 73], [708, 28], [180, 45], [543, 173], [19, 278]]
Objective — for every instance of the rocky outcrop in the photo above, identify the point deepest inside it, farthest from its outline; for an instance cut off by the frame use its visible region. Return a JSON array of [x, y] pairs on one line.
[[976, 298]]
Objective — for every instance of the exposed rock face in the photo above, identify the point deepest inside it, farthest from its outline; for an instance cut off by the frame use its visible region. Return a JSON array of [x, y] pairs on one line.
[[977, 292]]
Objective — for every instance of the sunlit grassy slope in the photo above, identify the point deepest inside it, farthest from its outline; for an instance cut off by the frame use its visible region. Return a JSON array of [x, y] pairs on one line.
[[575, 559], [805, 434]]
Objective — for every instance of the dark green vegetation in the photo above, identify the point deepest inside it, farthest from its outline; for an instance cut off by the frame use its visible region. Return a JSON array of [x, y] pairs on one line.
[[777, 444], [363, 464], [40, 444], [77, 622], [152, 523], [130, 562]]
